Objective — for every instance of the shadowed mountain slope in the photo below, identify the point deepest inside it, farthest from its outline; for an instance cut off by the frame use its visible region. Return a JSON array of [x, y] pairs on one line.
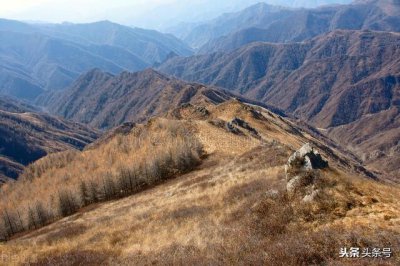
[[27, 135], [375, 138]]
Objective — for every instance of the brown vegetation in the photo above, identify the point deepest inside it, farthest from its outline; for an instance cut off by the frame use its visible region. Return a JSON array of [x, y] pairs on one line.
[[57, 187], [231, 209]]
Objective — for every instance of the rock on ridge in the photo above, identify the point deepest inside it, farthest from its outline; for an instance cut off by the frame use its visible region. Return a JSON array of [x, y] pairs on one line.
[[301, 172]]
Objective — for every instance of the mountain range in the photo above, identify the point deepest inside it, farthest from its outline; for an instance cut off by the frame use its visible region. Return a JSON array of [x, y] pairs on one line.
[[278, 143], [336, 81], [206, 11], [41, 57], [330, 81], [263, 22], [165, 15], [103, 100]]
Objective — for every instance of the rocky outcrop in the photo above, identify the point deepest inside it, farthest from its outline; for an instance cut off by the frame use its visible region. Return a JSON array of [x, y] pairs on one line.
[[237, 125], [243, 124], [301, 172]]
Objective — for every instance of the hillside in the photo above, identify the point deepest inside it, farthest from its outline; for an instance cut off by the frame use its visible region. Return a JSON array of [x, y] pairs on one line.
[[232, 207], [332, 80], [149, 45], [375, 139], [263, 22], [27, 135], [41, 57], [103, 100]]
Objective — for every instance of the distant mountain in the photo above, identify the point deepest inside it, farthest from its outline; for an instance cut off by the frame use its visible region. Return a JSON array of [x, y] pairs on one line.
[[40, 57], [333, 80], [14, 106], [148, 45], [26, 135], [256, 15], [263, 22], [307, 3], [300, 77], [103, 100], [166, 17]]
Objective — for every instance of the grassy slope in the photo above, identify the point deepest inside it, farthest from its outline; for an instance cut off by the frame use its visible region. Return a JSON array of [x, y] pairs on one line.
[[221, 214]]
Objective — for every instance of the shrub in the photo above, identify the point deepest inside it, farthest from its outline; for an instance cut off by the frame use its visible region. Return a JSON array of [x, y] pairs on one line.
[[67, 203], [120, 166], [85, 194], [93, 192], [43, 216], [274, 215], [32, 220]]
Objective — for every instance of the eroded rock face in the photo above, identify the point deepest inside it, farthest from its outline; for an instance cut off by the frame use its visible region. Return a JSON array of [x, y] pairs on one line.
[[301, 172]]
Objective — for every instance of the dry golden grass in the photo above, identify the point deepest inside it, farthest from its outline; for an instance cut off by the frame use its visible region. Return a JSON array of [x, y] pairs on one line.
[[153, 152], [231, 210], [221, 215]]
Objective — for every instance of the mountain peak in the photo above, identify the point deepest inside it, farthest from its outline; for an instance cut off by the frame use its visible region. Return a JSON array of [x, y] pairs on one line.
[[105, 23], [152, 72], [147, 74], [104, 101], [95, 73]]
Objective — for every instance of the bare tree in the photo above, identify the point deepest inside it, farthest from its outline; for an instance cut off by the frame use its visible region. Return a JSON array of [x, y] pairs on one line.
[[85, 193], [109, 188], [67, 204], [32, 221], [41, 214], [8, 222], [93, 193], [3, 232]]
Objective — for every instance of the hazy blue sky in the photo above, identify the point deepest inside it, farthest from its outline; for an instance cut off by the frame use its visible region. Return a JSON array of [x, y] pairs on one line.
[[72, 10], [142, 13]]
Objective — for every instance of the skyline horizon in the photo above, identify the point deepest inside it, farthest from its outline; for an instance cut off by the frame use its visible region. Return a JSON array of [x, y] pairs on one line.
[[151, 14]]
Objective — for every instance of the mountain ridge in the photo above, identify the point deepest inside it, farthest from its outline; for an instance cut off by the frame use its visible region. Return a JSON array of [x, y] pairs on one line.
[[267, 23], [232, 176], [104, 100], [332, 80], [42, 57]]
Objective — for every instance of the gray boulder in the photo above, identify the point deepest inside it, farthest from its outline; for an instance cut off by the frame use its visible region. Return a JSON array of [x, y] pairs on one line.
[[300, 172]]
